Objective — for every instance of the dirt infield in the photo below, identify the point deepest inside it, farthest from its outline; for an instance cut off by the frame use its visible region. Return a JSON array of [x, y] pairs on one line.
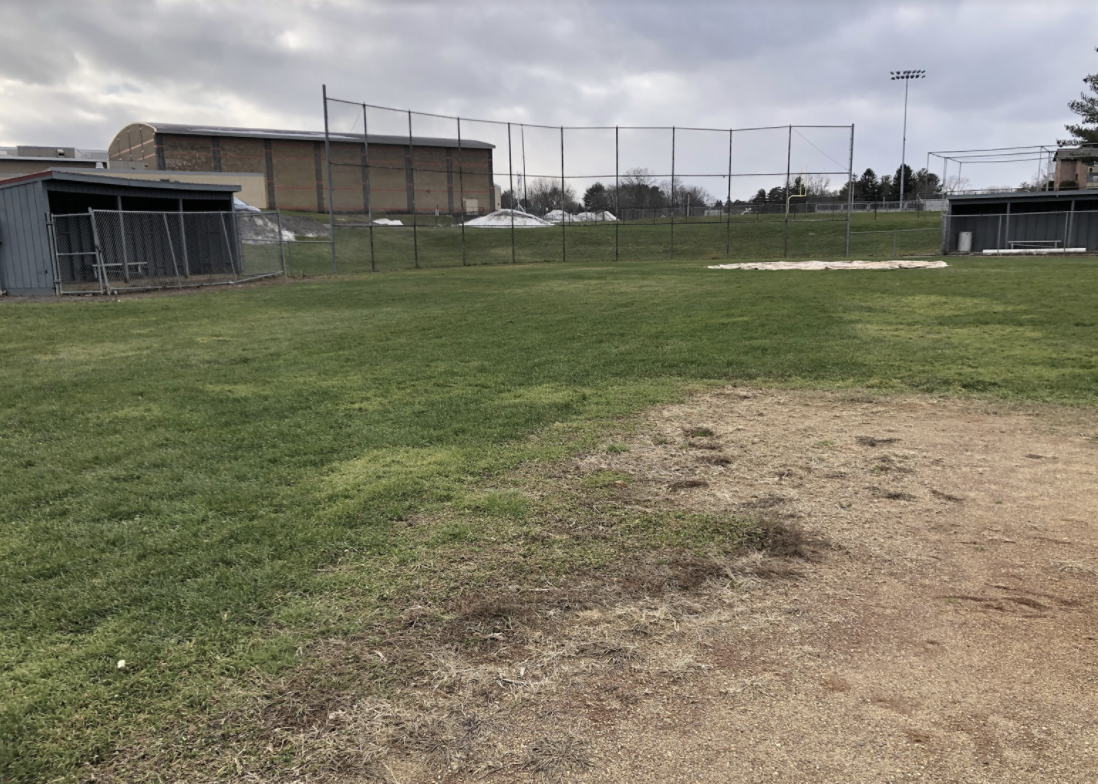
[[949, 632]]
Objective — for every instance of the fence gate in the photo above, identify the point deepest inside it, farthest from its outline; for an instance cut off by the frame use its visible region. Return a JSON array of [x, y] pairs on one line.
[[107, 251]]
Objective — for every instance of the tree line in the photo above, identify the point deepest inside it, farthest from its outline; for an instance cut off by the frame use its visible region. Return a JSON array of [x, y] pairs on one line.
[[638, 189]]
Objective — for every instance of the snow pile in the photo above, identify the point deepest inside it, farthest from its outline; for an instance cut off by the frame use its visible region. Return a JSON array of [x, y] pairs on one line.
[[832, 265], [559, 216], [502, 219], [258, 229], [387, 222]]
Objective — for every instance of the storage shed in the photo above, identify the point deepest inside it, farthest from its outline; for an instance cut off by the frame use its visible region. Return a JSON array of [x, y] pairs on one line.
[[1048, 222], [36, 259]]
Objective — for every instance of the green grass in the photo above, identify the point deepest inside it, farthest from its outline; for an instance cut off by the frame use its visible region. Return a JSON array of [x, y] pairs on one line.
[[179, 475], [815, 235]]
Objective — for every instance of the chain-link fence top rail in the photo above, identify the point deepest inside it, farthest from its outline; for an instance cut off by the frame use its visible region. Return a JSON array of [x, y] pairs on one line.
[[995, 169], [570, 192], [106, 250]]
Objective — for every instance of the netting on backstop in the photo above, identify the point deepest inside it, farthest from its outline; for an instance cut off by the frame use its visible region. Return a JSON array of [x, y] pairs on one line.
[[416, 189]]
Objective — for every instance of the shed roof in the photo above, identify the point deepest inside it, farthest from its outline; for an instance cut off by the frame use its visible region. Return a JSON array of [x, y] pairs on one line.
[[1062, 195], [311, 136], [56, 175]]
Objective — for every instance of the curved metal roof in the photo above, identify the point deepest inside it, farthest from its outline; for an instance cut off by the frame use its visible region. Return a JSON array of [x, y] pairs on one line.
[[311, 136]]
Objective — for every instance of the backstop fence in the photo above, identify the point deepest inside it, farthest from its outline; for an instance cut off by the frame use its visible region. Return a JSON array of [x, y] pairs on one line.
[[417, 189], [105, 251]]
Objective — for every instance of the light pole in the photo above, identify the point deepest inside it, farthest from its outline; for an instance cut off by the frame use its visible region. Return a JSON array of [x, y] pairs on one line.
[[906, 77]]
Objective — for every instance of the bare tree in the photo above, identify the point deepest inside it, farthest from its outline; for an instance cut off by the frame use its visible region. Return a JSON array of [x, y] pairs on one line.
[[956, 182], [544, 195]]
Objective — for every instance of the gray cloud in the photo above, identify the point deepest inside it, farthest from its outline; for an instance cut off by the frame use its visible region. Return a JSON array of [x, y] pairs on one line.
[[999, 72]]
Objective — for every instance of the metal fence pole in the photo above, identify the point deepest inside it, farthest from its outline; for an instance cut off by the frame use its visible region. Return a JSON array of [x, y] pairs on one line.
[[328, 159], [522, 136], [563, 203], [104, 285], [125, 251], [1070, 225], [55, 259], [171, 245], [788, 163], [461, 188], [728, 203], [511, 180], [412, 164], [617, 192], [239, 246], [183, 242], [281, 240], [366, 172], [228, 245], [672, 192], [850, 190]]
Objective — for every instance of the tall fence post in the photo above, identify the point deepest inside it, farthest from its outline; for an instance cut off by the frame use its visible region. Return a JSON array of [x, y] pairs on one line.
[[461, 189], [328, 160], [728, 203], [563, 204], [412, 164], [673, 189], [788, 163], [281, 240], [617, 192], [368, 184], [850, 190], [522, 137], [511, 181]]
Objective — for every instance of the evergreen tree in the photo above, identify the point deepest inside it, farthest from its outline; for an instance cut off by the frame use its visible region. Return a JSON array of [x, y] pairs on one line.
[[1086, 106]]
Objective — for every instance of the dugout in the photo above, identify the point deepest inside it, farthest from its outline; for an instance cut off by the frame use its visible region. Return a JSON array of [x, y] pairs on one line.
[[1031, 222], [42, 255]]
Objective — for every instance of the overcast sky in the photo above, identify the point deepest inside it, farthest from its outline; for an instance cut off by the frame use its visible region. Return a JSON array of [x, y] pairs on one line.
[[999, 73]]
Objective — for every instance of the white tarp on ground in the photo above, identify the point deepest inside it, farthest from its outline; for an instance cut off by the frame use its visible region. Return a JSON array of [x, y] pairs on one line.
[[557, 216], [387, 222], [502, 219], [832, 265]]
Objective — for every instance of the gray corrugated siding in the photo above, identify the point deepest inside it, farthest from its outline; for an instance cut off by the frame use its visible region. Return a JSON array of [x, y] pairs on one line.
[[26, 266]]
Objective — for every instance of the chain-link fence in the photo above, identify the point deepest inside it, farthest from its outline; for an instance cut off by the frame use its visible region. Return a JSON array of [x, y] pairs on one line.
[[107, 251], [411, 189]]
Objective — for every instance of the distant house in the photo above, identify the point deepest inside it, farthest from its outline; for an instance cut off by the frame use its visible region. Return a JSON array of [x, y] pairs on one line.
[[1077, 167]]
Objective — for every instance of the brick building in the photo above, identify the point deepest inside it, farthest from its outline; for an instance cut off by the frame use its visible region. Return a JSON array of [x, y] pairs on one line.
[[296, 174], [1076, 168]]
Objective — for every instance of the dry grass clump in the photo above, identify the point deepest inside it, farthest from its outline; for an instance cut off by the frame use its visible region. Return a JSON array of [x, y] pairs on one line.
[[550, 758]]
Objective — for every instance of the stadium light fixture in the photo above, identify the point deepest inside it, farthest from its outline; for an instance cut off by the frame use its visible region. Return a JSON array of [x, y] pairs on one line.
[[905, 77]]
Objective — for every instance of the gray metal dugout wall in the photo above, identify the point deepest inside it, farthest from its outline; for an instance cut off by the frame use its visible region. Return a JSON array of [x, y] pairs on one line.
[[1006, 221], [27, 255]]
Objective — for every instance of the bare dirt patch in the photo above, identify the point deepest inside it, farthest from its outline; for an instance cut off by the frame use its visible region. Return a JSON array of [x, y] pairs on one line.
[[889, 589], [949, 633]]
